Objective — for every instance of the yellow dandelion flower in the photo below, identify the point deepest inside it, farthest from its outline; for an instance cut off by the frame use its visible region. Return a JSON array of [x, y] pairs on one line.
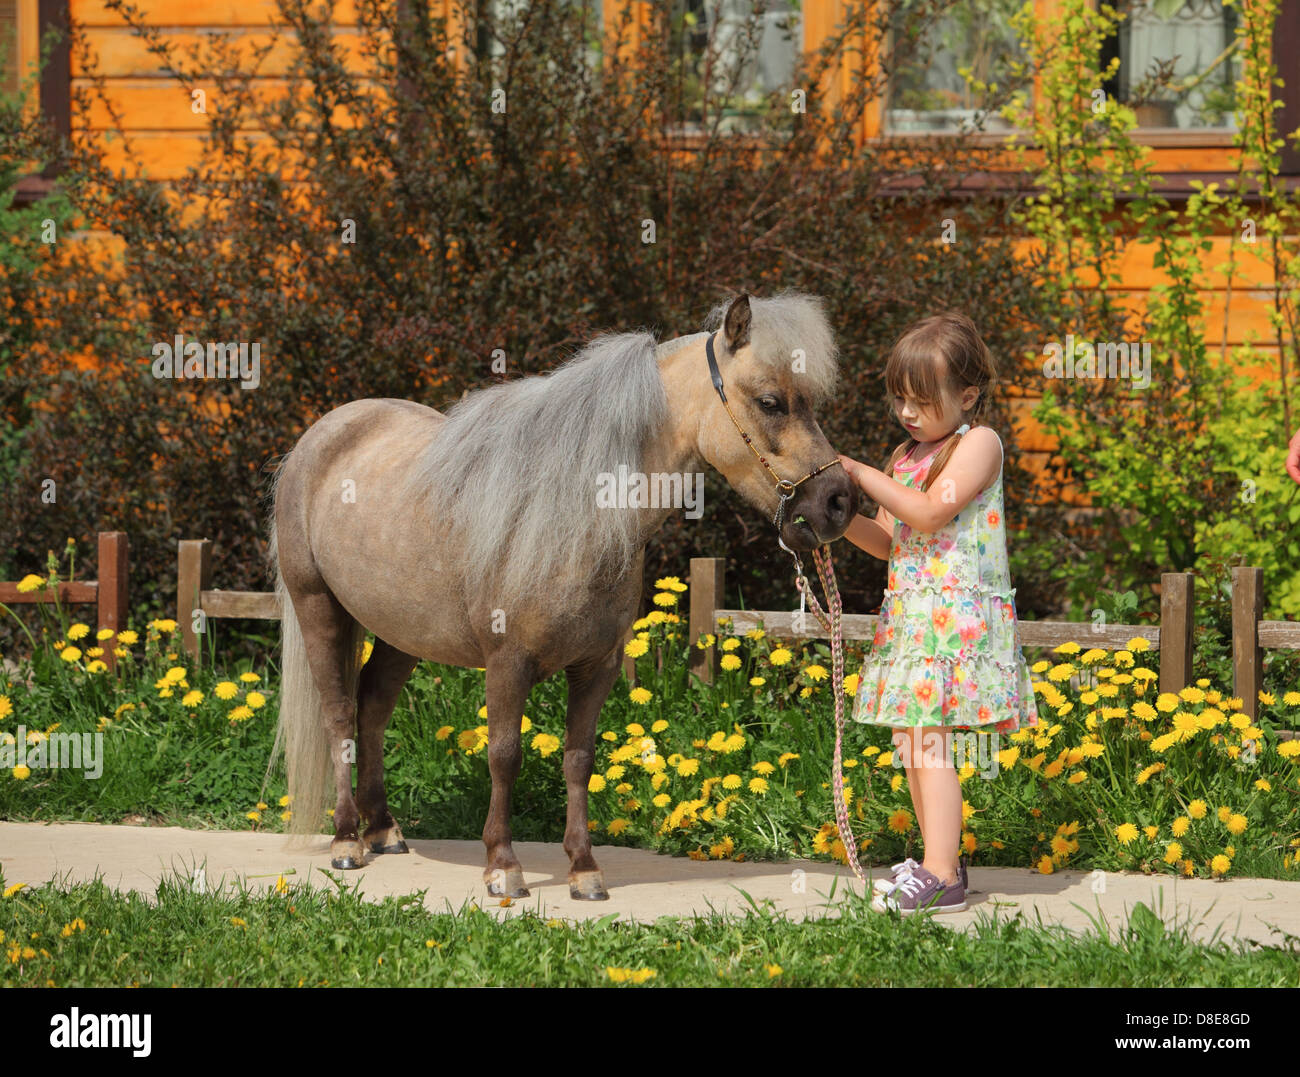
[[780, 657], [640, 695], [1197, 809], [1126, 833]]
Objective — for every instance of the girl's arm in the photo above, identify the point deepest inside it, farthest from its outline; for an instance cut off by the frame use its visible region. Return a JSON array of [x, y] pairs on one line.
[[973, 465], [871, 535]]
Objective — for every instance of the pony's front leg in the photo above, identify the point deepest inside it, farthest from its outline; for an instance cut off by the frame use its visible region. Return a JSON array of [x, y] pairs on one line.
[[588, 690], [510, 677]]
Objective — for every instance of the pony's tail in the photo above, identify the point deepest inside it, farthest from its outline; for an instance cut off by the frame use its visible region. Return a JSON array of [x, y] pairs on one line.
[[300, 731]]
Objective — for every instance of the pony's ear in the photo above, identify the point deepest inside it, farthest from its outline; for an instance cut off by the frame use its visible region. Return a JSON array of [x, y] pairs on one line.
[[736, 324]]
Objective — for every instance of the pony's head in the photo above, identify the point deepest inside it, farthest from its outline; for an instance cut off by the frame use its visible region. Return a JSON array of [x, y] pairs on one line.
[[778, 361]]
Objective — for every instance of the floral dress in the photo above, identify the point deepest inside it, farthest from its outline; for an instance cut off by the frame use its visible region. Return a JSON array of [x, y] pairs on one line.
[[947, 645]]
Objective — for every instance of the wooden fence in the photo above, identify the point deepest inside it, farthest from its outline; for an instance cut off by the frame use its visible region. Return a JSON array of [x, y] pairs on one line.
[[108, 593], [1172, 638]]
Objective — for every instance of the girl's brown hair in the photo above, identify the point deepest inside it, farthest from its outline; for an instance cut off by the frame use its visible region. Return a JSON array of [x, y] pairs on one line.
[[938, 357]]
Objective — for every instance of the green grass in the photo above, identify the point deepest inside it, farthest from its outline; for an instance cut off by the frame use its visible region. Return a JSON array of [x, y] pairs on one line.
[[321, 937]]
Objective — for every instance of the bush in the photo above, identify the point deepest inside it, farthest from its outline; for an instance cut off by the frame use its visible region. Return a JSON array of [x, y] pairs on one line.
[[474, 231]]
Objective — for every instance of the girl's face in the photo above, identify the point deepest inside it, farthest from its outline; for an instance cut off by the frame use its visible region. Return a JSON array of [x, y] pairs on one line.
[[935, 422]]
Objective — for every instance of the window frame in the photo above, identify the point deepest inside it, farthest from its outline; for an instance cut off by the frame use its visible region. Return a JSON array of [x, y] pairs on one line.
[[1286, 43], [53, 91]]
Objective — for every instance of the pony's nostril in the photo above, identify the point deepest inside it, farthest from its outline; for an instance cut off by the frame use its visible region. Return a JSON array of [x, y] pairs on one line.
[[839, 506]]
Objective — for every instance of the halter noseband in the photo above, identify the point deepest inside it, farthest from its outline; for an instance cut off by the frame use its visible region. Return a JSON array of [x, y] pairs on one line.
[[784, 487]]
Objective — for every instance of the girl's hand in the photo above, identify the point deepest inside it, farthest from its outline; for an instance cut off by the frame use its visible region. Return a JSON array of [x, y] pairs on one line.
[[1292, 459], [851, 467]]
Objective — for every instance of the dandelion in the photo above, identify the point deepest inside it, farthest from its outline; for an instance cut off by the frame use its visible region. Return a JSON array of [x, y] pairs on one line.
[[249, 677], [1045, 865], [1236, 824], [255, 700], [636, 647], [640, 695], [192, 698], [758, 785], [617, 826], [596, 784], [780, 657], [241, 713], [1126, 833], [255, 816], [1220, 865], [70, 654], [78, 631], [900, 821], [12, 890], [128, 638], [1067, 648], [21, 772], [226, 690], [816, 673], [1173, 851], [30, 583], [663, 598], [1179, 826], [1197, 809], [730, 662]]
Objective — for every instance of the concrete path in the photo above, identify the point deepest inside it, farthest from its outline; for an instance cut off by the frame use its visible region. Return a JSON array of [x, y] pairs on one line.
[[643, 885]]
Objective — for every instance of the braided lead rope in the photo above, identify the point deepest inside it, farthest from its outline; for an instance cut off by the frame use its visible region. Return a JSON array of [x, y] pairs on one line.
[[831, 623]]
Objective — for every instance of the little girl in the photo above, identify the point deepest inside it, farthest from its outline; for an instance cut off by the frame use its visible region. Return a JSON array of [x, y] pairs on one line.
[[946, 653]]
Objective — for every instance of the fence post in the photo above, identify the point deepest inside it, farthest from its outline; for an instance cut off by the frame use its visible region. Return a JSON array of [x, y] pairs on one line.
[[708, 575], [193, 576], [1247, 657], [1177, 591], [110, 592]]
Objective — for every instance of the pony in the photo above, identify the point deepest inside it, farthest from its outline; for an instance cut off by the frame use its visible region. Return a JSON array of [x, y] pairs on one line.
[[477, 538]]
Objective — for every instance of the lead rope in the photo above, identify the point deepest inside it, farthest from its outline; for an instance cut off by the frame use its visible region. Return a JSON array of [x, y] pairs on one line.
[[831, 623]]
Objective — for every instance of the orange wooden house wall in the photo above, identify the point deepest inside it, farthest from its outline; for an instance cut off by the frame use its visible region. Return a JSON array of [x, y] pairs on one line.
[[167, 135]]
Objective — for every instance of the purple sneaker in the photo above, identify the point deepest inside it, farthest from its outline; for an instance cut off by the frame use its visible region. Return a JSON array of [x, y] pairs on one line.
[[922, 892], [897, 874]]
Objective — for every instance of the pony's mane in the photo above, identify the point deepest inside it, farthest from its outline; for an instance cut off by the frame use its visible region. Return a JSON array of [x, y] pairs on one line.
[[516, 466]]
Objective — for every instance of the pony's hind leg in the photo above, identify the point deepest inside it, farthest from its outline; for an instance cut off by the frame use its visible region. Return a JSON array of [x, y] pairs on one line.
[[381, 683], [331, 638]]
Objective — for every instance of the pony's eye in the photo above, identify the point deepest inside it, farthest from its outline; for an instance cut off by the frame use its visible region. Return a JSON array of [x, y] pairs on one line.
[[770, 404]]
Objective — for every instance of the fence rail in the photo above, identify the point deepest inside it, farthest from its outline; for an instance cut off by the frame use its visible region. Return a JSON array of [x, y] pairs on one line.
[[108, 593], [1172, 638]]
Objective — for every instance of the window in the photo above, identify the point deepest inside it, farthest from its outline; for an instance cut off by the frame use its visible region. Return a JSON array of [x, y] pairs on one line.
[[1179, 63], [927, 91], [737, 53]]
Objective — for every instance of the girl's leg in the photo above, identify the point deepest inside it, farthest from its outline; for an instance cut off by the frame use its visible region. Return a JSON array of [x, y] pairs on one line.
[[905, 742], [941, 793]]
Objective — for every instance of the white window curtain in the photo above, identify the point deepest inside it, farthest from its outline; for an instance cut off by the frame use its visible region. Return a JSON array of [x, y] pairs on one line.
[[1193, 36], [768, 61], [926, 92]]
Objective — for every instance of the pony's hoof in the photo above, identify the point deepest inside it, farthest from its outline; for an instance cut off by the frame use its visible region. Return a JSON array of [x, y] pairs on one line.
[[347, 855], [386, 840], [588, 886], [508, 883]]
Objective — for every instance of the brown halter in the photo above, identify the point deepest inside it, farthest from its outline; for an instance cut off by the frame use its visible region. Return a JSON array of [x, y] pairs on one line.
[[785, 488]]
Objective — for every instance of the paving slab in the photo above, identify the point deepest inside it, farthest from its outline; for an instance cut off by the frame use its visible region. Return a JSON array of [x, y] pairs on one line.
[[643, 886]]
